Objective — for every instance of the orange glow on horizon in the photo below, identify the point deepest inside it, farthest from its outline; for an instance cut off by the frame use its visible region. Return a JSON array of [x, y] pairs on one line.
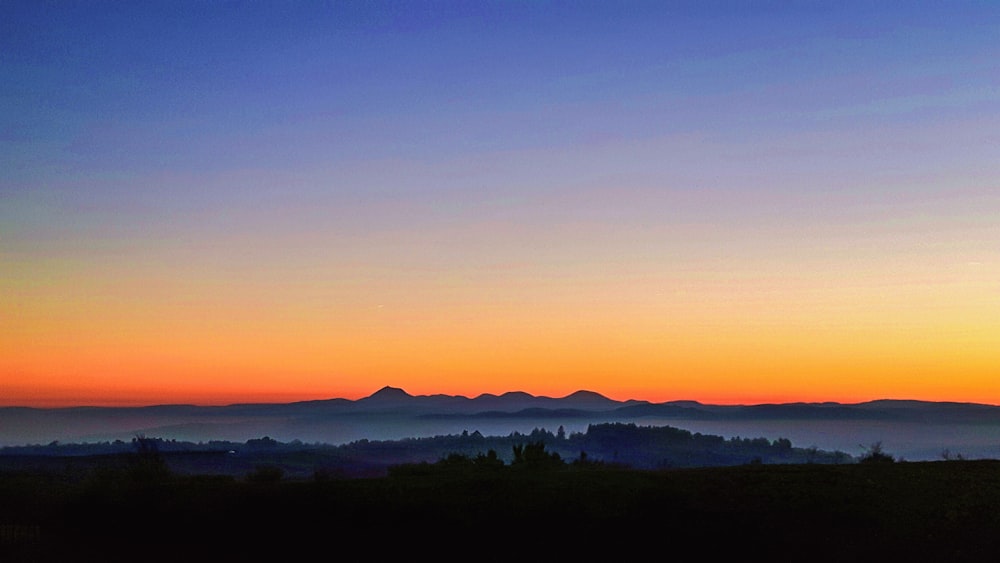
[[723, 329]]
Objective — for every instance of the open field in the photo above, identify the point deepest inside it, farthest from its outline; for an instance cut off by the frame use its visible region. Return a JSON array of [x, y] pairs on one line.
[[913, 511]]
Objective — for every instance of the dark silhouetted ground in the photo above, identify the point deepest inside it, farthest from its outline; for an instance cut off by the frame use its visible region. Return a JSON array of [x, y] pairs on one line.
[[926, 511]]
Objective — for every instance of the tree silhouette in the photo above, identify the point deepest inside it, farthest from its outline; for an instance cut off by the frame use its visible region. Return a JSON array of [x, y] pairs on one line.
[[534, 456], [147, 466], [488, 461]]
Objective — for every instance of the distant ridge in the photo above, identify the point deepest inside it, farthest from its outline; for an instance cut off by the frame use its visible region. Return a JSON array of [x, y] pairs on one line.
[[393, 412], [583, 403], [511, 401]]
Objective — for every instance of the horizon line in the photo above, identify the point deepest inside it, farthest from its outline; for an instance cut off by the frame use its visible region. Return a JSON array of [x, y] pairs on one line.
[[391, 388]]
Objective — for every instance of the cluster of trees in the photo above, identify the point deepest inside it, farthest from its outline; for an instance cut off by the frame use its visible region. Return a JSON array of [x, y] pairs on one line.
[[528, 457], [611, 444], [57, 448], [656, 447]]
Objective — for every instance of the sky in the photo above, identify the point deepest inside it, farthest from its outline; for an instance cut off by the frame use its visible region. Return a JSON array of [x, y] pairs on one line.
[[731, 202]]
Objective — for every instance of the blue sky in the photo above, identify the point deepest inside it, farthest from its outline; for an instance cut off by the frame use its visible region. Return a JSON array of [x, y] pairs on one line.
[[207, 85]]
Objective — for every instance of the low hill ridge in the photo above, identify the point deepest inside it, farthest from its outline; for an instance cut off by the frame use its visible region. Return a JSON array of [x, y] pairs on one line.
[[392, 412]]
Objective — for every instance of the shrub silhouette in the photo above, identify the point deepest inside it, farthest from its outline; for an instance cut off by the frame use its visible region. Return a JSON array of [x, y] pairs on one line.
[[948, 456], [876, 455]]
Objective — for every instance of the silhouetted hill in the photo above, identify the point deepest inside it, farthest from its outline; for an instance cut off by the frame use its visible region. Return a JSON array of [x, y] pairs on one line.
[[531, 412], [663, 410], [933, 411], [795, 411]]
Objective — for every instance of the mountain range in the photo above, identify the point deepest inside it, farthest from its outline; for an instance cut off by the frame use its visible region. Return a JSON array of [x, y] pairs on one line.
[[919, 429]]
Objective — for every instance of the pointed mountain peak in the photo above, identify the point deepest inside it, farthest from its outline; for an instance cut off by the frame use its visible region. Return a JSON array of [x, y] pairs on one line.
[[388, 392]]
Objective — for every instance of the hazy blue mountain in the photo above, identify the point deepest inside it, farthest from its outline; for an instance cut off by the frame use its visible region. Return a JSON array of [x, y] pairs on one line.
[[910, 429]]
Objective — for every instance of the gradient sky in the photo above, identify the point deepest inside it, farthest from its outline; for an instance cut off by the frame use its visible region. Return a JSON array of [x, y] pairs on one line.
[[731, 202]]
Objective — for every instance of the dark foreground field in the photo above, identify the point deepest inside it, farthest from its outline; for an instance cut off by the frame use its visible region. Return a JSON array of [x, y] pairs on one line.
[[929, 511]]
